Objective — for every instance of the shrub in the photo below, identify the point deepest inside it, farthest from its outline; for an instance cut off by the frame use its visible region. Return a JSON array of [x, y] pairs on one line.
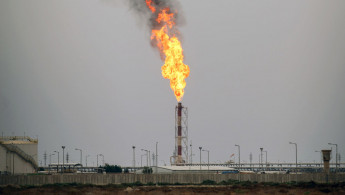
[[208, 182]]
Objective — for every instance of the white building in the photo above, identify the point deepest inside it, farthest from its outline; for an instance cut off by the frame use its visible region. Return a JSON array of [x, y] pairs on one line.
[[18, 155], [191, 169]]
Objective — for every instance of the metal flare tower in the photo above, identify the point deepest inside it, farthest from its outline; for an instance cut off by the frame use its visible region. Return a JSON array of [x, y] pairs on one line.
[[181, 135]]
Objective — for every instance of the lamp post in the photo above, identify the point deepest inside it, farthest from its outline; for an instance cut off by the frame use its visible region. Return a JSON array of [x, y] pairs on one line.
[[266, 156], [208, 159], [141, 160], [191, 154], [239, 155], [200, 157], [156, 157], [261, 158], [63, 159], [133, 157], [336, 156], [147, 156], [58, 160], [50, 158], [81, 156], [296, 153]]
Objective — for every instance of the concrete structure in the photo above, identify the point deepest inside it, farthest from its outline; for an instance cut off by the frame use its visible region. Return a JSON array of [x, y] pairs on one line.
[[180, 156], [104, 179], [18, 154], [326, 154]]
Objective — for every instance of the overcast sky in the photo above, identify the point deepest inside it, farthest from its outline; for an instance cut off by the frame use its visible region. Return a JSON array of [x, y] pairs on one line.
[[83, 74]]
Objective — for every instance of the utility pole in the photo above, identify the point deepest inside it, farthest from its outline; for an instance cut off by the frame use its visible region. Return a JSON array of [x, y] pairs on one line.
[[156, 157], [200, 157], [63, 159], [134, 158], [261, 158], [81, 156], [239, 156], [58, 161], [296, 153], [191, 154], [208, 159]]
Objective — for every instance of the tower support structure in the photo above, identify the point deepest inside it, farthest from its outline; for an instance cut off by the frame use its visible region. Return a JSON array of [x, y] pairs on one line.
[[181, 135]]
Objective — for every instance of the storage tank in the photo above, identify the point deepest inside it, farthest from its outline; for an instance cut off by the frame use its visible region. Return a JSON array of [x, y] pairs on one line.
[[18, 155]]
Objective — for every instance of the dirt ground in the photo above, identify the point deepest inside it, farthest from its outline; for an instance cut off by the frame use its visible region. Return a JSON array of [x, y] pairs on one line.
[[172, 190]]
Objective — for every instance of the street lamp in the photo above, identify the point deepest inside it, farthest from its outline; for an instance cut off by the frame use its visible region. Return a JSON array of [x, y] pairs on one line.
[[239, 156], [208, 159], [191, 154], [81, 156], [50, 158], [58, 160], [147, 156], [141, 160], [200, 157], [261, 157], [133, 157], [156, 157], [266, 157], [86, 159], [336, 156], [63, 159], [296, 153]]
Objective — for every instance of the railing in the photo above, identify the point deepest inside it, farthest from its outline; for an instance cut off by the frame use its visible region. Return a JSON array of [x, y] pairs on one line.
[[11, 138], [20, 153]]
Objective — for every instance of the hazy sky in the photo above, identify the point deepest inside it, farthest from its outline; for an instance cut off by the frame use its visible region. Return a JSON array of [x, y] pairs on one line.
[[83, 74]]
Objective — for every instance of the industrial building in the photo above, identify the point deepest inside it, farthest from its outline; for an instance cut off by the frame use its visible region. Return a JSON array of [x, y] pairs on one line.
[[18, 155], [191, 169]]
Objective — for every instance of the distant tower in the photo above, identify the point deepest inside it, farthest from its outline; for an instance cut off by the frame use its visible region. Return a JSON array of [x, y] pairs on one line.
[[250, 158], [181, 135], [153, 159], [45, 158], [67, 157]]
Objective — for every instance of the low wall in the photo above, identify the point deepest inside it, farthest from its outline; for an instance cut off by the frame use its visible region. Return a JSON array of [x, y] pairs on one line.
[[100, 179]]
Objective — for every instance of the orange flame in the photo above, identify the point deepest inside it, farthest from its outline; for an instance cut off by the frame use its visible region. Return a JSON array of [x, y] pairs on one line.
[[168, 44], [149, 5]]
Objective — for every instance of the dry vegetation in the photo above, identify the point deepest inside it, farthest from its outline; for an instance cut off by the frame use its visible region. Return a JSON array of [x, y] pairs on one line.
[[207, 187]]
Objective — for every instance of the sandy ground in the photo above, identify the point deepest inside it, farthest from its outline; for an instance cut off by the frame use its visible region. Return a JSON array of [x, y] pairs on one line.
[[172, 190]]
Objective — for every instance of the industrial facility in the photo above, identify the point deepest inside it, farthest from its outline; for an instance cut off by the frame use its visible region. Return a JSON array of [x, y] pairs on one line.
[[18, 155]]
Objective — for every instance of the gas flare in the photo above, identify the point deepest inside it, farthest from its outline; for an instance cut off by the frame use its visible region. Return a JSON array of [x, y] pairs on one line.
[[165, 37]]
